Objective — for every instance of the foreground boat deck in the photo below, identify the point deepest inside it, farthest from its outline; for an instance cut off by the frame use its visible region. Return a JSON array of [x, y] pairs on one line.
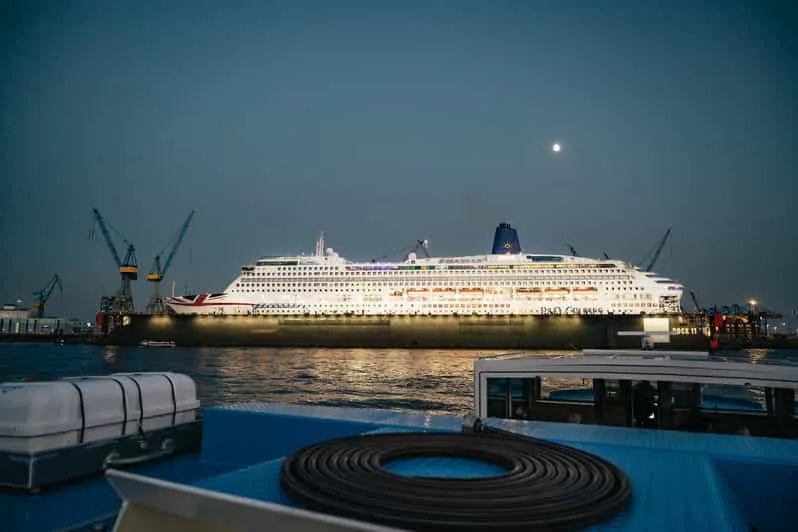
[[679, 480]]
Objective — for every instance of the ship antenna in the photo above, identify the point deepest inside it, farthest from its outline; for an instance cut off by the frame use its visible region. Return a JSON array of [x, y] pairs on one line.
[[320, 245]]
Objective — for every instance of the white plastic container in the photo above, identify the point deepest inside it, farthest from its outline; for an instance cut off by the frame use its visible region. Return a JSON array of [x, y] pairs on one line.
[[167, 398], [43, 416], [55, 431]]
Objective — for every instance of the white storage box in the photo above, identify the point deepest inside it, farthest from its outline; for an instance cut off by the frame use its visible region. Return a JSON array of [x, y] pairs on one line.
[[41, 417]]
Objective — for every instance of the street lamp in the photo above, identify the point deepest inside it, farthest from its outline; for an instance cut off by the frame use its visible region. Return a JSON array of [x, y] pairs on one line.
[[752, 303]]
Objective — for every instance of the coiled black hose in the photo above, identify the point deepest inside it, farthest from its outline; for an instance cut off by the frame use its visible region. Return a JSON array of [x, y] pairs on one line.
[[546, 486]]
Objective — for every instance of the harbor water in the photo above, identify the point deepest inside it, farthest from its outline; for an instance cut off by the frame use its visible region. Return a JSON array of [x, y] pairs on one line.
[[435, 381]]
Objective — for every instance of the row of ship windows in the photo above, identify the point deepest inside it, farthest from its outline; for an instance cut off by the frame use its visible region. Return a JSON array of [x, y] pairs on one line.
[[379, 292], [611, 285], [621, 306], [315, 268], [436, 279], [426, 305], [312, 269], [471, 304], [489, 271], [435, 282], [378, 288]]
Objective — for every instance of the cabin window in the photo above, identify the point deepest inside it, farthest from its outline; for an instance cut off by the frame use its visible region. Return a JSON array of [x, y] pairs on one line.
[[566, 389], [681, 395], [497, 397], [733, 397], [613, 392], [520, 395], [510, 397]]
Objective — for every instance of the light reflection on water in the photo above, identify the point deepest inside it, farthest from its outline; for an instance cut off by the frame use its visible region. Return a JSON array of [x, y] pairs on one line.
[[431, 380], [437, 381]]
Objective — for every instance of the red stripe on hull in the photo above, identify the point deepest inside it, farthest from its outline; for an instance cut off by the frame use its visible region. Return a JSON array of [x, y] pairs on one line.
[[207, 304]]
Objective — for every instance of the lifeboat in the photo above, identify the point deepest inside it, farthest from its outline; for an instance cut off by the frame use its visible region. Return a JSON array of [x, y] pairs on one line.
[[58, 430], [527, 290], [398, 293], [586, 289], [417, 290], [443, 289], [560, 290], [471, 290]]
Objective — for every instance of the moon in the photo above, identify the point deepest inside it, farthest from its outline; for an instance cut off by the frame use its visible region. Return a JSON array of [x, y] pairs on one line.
[[556, 147]]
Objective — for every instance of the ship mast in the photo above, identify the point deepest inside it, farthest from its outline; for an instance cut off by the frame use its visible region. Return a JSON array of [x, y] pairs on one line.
[[320, 245]]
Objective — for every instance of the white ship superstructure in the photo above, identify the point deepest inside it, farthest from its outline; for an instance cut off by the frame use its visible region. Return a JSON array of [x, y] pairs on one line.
[[512, 283]]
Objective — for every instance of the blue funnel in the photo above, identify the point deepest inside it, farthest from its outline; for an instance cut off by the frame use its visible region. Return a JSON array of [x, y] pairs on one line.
[[506, 240]]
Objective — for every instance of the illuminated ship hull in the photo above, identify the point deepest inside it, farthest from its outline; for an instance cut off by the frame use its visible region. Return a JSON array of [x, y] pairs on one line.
[[462, 332]]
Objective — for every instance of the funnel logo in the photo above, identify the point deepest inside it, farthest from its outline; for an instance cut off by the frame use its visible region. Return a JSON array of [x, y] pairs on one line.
[[505, 240]]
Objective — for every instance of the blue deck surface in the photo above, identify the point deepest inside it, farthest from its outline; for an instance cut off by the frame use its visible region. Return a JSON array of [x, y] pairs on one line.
[[88, 500], [680, 481], [444, 467]]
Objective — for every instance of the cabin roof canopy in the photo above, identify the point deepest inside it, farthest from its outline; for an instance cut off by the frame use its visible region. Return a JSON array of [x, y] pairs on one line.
[[641, 368]]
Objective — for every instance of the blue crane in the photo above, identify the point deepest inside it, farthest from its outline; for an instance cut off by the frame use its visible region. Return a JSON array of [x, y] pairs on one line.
[[122, 301], [155, 305], [658, 250], [44, 294], [420, 245]]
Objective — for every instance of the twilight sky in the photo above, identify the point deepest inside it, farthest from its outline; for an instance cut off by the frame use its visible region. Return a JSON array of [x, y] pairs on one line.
[[386, 123]]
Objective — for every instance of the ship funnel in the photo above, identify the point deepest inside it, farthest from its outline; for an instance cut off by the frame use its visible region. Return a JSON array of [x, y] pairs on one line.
[[506, 240]]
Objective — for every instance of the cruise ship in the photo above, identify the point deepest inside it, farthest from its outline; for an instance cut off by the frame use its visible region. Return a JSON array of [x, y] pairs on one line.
[[506, 282]]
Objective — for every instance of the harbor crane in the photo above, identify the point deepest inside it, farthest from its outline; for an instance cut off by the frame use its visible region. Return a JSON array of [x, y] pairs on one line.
[[156, 305], [44, 294], [657, 251], [698, 308], [422, 245], [575, 253], [122, 301]]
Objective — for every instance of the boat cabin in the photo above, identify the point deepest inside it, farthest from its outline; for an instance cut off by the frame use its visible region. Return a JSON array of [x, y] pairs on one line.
[[646, 390]]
